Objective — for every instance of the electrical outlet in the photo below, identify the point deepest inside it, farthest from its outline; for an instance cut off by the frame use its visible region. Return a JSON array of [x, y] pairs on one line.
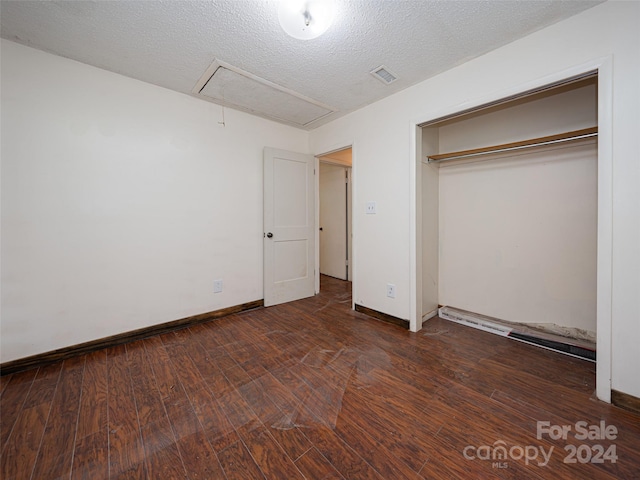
[[391, 290], [370, 208], [217, 286]]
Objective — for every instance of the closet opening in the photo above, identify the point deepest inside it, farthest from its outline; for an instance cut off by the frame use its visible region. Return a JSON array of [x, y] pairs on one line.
[[508, 225]]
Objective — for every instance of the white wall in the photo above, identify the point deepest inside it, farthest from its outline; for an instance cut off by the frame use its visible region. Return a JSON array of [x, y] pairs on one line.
[[121, 203], [382, 137], [518, 229], [564, 109], [518, 236]]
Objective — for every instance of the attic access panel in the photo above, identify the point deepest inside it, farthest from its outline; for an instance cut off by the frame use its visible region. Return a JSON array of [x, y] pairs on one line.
[[227, 85]]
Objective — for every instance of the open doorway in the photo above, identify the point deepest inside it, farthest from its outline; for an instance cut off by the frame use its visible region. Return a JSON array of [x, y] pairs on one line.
[[334, 215]]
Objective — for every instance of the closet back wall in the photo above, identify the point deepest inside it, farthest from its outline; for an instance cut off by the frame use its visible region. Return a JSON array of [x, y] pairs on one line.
[[518, 230]]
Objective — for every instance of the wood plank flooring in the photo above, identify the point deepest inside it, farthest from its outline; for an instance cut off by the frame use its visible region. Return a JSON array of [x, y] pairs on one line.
[[312, 390]]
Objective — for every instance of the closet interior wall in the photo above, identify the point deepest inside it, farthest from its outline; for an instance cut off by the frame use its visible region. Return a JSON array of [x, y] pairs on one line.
[[513, 235]]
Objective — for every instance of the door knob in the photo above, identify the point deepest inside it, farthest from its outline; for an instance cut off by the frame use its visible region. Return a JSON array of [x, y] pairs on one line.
[[269, 235]]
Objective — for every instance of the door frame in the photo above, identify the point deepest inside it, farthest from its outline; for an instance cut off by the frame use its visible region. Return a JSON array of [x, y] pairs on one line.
[[352, 260], [604, 68]]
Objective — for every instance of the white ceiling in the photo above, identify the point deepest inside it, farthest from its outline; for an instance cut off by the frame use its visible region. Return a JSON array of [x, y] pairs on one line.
[[173, 43]]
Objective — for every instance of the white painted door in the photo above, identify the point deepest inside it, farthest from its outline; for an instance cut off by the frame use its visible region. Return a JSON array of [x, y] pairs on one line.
[[333, 221], [289, 226]]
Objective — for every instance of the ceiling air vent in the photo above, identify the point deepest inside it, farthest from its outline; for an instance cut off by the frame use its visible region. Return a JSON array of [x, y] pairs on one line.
[[383, 74]]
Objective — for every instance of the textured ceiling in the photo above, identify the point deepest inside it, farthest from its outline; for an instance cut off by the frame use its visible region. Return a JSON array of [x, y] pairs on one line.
[[172, 43]]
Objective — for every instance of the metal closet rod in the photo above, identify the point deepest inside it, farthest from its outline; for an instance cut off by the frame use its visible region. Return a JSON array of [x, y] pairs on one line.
[[535, 142]]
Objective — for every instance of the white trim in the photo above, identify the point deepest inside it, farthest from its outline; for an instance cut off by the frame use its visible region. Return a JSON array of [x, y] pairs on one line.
[[415, 231], [604, 317], [316, 269], [604, 67], [354, 227], [429, 315]]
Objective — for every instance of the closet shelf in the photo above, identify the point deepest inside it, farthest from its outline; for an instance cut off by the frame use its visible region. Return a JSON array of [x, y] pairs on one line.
[[534, 142]]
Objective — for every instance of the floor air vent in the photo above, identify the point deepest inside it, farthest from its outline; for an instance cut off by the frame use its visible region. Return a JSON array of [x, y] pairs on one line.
[[561, 347], [520, 332]]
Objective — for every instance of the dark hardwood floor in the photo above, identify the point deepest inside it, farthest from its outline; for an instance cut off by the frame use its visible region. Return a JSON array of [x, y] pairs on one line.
[[313, 390]]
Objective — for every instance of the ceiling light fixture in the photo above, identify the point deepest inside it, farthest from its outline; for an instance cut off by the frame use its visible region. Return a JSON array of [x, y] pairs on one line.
[[306, 19]]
